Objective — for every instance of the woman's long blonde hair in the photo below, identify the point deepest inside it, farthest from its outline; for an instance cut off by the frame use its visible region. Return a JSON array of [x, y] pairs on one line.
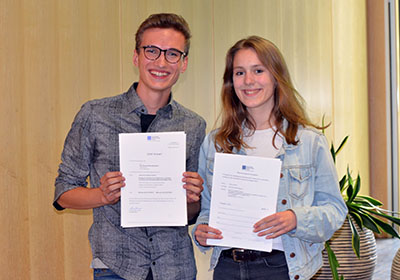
[[288, 104]]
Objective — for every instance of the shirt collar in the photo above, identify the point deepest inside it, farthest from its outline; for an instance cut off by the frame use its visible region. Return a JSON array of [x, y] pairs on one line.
[[136, 105]]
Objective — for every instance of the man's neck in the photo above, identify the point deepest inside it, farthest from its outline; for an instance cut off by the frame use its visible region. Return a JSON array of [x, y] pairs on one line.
[[153, 100]]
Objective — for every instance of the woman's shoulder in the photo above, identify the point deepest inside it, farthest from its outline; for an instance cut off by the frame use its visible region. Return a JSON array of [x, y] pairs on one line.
[[308, 133], [210, 138]]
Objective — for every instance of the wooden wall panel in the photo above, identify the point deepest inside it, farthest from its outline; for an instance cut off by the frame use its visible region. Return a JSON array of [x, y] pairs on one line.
[[55, 55], [104, 48], [39, 98], [306, 39], [72, 91], [14, 232], [350, 100]]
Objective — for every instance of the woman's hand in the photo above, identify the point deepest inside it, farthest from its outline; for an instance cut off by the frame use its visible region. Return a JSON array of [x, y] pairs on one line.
[[276, 224], [204, 232]]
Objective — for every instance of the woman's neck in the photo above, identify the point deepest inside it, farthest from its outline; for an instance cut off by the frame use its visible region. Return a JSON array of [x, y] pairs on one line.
[[263, 121]]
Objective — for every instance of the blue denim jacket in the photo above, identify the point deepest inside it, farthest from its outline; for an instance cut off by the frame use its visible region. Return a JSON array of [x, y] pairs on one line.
[[308, 186]]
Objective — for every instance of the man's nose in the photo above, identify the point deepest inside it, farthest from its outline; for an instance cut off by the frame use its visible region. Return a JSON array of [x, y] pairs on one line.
[[161, 61]]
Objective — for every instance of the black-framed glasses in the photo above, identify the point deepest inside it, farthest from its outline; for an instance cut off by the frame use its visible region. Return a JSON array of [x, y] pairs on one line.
[[171, 55]]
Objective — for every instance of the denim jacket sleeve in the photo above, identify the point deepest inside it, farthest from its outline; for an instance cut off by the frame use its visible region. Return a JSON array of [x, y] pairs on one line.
[[204, 160], [323, 212]]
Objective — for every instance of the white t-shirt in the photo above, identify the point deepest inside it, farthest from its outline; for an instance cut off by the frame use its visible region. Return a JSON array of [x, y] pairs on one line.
[[261, 146]]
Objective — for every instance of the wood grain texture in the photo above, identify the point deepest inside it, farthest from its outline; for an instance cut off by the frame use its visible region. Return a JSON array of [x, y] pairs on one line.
[[56, 55]]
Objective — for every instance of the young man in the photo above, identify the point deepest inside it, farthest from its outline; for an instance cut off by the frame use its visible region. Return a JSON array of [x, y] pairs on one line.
[[91, 150]]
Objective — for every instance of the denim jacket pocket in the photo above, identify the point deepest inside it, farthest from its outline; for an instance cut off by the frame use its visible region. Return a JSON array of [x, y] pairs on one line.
[[299, 181]]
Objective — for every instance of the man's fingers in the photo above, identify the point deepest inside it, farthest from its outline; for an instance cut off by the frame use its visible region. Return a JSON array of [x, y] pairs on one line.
[[112, 177]]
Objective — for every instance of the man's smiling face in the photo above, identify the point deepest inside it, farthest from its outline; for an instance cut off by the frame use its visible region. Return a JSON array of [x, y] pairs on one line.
[[158, 76]]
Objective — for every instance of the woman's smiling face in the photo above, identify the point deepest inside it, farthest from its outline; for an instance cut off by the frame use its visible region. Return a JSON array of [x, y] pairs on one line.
[[254, 85]]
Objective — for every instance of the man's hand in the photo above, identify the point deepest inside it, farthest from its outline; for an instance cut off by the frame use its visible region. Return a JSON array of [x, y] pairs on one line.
[[111, 184], [277, 224], [193, 185], [108, 192], [204, 232]]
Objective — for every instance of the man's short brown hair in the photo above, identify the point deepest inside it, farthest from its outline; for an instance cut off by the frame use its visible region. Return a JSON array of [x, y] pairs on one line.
[[164, 20]]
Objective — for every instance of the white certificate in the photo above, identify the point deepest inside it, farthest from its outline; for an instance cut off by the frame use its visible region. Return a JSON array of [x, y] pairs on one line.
[[245, 189], [153, 164]]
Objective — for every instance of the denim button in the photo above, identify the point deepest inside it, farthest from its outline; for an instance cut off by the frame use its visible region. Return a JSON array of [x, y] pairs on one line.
[[151, 239], [154, 263], [296, 277], [292, 255], [284, 201]]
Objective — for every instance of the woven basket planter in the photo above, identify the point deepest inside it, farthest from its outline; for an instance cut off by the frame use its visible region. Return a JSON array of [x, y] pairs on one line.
[[351, 267], [395, 273]]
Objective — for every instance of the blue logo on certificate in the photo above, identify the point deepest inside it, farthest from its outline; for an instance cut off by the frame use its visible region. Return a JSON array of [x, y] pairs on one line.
[[149, 137], [248, 168]]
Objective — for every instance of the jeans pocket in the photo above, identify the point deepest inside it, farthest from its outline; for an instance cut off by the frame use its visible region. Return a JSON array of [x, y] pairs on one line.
[[275, 261]]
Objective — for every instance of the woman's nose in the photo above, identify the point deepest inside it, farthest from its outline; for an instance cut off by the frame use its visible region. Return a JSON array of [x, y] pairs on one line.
[[248, 79]]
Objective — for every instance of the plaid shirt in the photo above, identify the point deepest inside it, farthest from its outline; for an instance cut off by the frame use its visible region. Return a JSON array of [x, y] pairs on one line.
[[91, 149]]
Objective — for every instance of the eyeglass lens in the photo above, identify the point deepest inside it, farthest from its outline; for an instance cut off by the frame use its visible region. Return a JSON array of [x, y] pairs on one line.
[[171, 55]]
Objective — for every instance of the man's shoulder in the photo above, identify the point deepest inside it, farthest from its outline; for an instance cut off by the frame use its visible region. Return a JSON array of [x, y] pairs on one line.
[[106, 101], [105, 106], [186, 113]]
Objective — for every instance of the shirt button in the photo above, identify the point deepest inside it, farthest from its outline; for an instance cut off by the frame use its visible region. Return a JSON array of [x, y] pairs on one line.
[[296, 277], [154, 263], [292, 255], [150, 239], [284, 201], [281, 175]]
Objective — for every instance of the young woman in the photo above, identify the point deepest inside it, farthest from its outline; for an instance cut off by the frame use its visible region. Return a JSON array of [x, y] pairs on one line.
[[262, 115]]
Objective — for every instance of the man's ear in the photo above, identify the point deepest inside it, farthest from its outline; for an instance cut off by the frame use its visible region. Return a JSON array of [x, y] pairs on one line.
[[185, 64], [135, 58]]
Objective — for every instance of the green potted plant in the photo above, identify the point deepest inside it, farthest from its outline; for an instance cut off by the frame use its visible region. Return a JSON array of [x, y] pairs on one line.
[[363, 210]]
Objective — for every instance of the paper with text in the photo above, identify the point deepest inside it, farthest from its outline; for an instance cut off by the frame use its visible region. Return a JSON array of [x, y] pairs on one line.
[[153, 164], [244, 190]]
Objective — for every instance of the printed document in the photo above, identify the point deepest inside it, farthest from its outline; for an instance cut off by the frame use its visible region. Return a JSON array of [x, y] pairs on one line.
[[153, 164], [244, 190]]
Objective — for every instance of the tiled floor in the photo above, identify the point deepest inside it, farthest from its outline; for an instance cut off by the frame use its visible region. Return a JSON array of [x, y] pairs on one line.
[[386, 250]]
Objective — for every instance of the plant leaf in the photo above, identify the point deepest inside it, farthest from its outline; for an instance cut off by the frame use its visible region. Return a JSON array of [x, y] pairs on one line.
[[369, 222], [355, 238], [350, 188], [378, 213], [372, 200], [342, 144], [356, 218], [364, 202], [333, 262], [386, 227], [356, 188], [349, 178], [333, 153], [342, 183]]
